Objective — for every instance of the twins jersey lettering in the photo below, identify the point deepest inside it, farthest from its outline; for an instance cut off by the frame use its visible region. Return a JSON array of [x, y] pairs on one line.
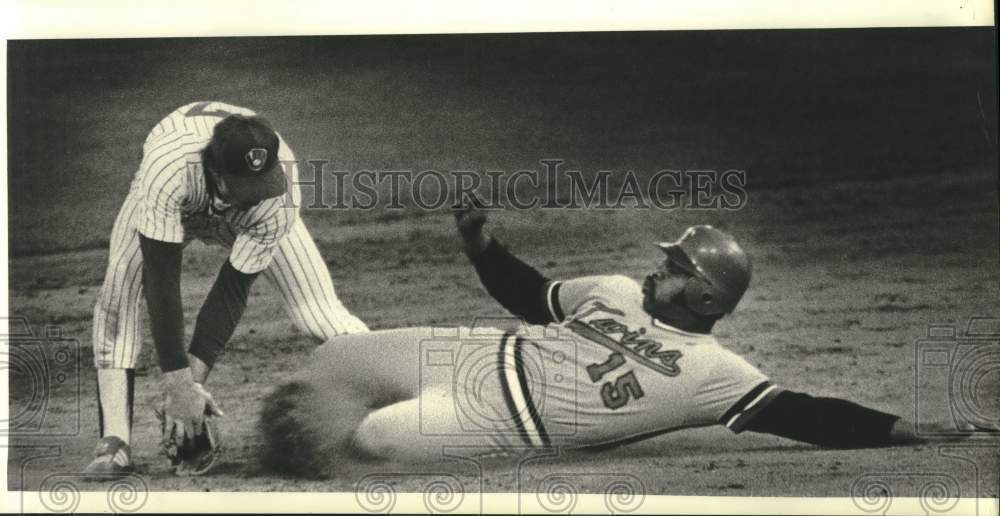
[[169, 200], [612, 374]]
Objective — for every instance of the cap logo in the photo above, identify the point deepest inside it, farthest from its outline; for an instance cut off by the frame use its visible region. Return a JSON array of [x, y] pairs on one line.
[[256, 157]]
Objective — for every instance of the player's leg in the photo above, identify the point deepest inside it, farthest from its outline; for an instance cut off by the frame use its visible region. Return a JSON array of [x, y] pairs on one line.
[[117, 338], [394, 432], [426, 429], [391, 394], [461, 407], [303, 280], [308, 421]]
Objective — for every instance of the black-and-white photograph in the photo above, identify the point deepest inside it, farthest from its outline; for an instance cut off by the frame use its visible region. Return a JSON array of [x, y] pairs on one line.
[[584, 269]]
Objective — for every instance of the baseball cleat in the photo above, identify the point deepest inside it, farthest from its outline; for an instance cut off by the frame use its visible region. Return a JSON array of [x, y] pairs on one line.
[[112, 457]]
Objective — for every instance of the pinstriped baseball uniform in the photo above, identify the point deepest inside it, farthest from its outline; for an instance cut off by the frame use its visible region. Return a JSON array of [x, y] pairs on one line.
[[613, 374], [169, 200]]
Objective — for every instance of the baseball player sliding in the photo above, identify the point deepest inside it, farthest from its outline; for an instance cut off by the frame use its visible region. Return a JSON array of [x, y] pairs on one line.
[[221, 174], [615, 362]]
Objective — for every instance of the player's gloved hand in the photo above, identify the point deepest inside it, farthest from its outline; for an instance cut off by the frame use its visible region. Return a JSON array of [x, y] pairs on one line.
[[470, 219], [191, 438], [194, 456]]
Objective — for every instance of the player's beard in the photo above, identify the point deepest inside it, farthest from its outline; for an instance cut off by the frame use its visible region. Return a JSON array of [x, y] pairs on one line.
[[653, 306]]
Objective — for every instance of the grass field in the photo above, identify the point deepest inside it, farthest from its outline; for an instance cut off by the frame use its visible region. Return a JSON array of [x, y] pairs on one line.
[[871, 214]]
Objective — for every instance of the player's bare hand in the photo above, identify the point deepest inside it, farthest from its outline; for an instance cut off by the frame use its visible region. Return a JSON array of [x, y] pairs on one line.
[[470, 219], [905, 432], [211, 406], [185, 406]]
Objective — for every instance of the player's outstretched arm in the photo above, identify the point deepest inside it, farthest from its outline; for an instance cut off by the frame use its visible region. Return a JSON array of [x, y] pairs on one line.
[[514, 284], [161, 272], [218, 318], [831, 423]]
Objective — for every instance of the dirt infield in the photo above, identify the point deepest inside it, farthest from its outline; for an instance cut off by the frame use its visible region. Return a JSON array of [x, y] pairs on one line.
[[842, 293]]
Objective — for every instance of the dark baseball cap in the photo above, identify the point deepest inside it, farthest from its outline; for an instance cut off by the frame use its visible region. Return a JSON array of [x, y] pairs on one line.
[[245, 152]]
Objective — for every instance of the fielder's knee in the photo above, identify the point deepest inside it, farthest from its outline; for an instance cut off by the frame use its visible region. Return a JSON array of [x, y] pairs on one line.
[[104, 335]]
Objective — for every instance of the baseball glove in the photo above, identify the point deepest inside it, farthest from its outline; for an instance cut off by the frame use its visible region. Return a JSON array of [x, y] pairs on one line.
[[195, 456]]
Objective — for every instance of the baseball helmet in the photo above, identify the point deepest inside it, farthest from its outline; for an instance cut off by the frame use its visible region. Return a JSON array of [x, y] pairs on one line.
[[720, 270]]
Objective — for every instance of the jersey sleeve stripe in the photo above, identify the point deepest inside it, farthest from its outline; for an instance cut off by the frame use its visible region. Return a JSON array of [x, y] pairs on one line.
[[744, 401], [739, 421], [552, 300]]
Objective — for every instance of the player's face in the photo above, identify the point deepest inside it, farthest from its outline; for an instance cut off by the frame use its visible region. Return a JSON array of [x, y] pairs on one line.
[[223, 190], [663, 286], [220, 183]]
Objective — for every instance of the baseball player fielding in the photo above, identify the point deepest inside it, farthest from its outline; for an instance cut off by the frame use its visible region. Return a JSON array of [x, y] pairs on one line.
[[220, 174]]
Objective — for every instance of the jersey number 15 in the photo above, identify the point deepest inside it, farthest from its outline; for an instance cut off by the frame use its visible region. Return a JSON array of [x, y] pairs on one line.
[[617, 393]]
